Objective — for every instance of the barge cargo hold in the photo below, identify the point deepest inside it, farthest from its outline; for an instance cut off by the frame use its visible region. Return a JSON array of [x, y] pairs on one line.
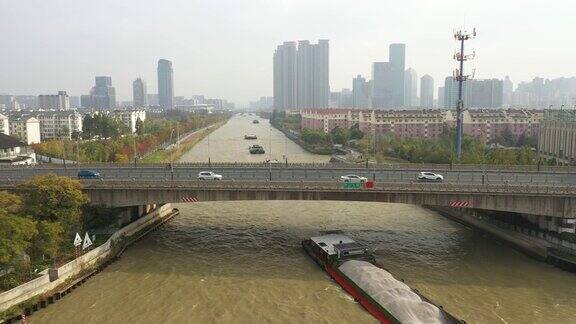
[[355, 269]]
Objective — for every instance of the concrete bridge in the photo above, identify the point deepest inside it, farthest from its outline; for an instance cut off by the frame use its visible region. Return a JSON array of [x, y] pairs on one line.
[[555, 201]]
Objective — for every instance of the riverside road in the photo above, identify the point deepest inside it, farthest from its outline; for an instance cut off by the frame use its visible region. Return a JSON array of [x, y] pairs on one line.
[[281, 172]]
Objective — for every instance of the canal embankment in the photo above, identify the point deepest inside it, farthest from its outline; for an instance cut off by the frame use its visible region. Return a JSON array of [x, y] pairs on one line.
[[538, 245], [55, 283]]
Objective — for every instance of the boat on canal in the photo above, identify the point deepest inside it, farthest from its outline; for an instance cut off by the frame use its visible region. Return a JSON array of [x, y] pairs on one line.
[[355, 269], [256, 149]]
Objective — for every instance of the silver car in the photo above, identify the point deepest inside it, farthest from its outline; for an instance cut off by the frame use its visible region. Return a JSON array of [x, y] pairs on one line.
[[353, 178], [430, 176], [209, 175]]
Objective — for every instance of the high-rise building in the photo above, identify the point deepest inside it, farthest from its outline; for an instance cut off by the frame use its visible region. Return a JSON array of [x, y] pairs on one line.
[[388, 79], [382, 79], [321, 74], [139, 93], [304, 74], [165, 84], [485, 93], [397, 65], [301, 75], [153, 99], [426, 91], [74, 101], [60, 101], [102, 95], [440, 97], [410, 88], [285, 76], [451, 93], [507, 90], [360, 92]]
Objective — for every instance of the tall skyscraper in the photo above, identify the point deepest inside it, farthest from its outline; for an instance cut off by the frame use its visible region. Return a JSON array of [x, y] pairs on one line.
[[388, 79], [451, 93], [285, 76], [397, 65], [165, 84], [60, 101], [410, 88], [321, 74], [139, 93], [485, 93], [360, 92], [305, 74], [102, 95], [382, 79], [507, 90], [441, 97], [426, 91], [301, 75]]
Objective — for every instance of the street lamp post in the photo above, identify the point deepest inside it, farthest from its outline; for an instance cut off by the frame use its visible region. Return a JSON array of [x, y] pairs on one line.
[[172, 157], [135, 152], [209, 164]]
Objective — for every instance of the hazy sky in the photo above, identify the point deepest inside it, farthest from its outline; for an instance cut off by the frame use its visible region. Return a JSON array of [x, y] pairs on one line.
[[224, 48]]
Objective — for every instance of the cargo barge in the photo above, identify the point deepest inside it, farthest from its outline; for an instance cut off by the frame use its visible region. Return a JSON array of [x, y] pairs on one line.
[[355, 269]]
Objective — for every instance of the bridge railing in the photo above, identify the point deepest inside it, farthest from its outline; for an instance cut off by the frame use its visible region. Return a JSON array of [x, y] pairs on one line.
[[315, 166], [524, 189]]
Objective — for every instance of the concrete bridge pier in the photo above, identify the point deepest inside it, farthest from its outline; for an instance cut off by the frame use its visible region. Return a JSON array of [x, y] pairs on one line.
[[132, 213]]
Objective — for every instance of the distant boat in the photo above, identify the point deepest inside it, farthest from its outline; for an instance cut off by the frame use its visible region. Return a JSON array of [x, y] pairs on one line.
[[255, 121], [250, 137], [256, 149]]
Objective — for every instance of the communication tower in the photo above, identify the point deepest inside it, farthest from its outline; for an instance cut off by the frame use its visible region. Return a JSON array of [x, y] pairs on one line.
[[461, 36]]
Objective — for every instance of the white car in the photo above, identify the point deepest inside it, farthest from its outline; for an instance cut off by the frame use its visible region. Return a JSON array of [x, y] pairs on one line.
[[209, 175], [353, 178], [430, 176]]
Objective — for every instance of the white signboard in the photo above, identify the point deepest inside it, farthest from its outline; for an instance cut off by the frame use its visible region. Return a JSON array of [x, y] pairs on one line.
[[87, 241], [77, 240]]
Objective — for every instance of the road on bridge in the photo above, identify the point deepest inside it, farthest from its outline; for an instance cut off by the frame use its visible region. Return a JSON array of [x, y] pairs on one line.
[[280, 172]]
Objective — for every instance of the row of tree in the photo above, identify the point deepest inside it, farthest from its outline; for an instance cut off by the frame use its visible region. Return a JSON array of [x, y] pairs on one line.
[[441, 151], [103, 126], [37, 224], [152, 133], [337, 135]]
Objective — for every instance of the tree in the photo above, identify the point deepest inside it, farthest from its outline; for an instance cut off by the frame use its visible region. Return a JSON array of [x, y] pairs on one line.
[[339, 135], [526, 156], [139, 126], [55, 199], [503, 156], [355, 132], [16, 231], [48, 240], [15, 235]]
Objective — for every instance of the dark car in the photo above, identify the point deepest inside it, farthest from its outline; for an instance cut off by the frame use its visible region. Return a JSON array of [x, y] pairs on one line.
[[88, 174]]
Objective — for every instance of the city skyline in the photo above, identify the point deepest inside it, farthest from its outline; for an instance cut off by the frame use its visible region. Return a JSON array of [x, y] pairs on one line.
[[205, 65]]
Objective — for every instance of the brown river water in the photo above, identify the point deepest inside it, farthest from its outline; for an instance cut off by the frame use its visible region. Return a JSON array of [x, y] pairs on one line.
[[241, 262]]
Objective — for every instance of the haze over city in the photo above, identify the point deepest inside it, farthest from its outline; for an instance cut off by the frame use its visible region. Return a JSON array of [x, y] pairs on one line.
[[224, 48]]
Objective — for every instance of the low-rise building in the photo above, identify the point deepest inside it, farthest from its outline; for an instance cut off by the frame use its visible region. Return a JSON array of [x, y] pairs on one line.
[[60, 101], [402, 123], [486, 124], [489, 124], [130, 117], [15, 152], [25, 128], [58, 124], [4, 125], [557, 138]]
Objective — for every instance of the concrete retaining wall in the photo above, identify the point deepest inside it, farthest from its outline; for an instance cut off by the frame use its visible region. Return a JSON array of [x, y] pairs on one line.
[[71, 269], [535, 247]]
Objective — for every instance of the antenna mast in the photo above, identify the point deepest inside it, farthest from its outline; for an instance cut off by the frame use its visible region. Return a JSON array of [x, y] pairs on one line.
[[461, 36]]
